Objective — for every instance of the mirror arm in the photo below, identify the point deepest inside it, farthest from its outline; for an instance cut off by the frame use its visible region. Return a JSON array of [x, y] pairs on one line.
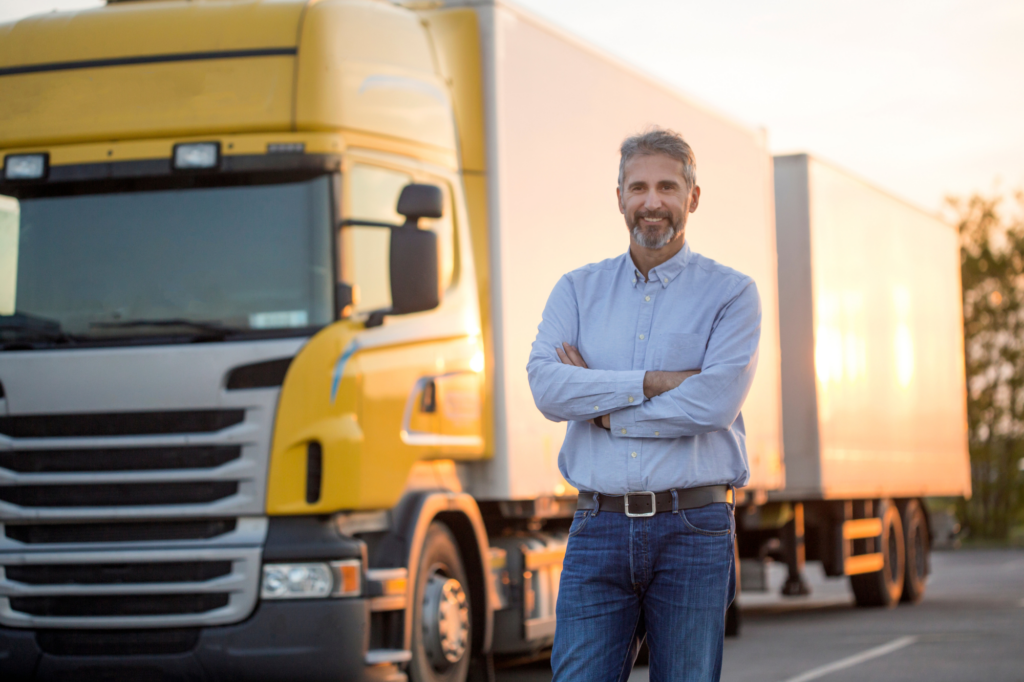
[[376, 317], [354, 222]]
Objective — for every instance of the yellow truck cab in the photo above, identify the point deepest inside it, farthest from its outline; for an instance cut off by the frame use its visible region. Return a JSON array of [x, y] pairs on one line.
[[205, 357]]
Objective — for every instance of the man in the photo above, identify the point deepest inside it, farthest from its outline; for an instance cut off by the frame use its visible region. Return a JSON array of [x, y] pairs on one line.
[[649, 357]]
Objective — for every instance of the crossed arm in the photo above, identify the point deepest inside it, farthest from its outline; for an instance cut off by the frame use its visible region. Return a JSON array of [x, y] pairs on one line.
[[655, 382], [638, 403]]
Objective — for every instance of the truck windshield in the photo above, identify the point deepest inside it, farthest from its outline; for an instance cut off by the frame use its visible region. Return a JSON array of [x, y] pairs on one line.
[[240, 260]]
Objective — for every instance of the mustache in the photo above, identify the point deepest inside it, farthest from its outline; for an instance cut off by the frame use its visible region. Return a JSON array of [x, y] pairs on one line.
[[656, 215]]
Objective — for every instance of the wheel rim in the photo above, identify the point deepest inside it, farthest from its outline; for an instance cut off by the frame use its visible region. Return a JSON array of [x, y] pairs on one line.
[[445, 621]]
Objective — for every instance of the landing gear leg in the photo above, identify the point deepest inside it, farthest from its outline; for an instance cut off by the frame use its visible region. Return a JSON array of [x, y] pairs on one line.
[[794, 554]]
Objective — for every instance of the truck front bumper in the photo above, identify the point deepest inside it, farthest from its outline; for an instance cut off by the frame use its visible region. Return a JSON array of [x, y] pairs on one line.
[[321, 639]]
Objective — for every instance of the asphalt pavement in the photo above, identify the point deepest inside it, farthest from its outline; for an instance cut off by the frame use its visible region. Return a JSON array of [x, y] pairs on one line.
[[969, 627]]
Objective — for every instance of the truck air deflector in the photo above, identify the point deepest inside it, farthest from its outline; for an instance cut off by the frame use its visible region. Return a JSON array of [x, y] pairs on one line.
[[149, 59]]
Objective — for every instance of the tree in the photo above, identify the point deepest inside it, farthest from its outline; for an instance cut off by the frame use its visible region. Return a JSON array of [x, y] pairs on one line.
[[992, 272]]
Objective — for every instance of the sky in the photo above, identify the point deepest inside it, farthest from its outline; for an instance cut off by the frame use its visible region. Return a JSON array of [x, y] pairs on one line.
[[923, 99]]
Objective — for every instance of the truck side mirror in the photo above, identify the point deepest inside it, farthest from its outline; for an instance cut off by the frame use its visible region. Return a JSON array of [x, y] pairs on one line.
[[414, 268], [420, 201]]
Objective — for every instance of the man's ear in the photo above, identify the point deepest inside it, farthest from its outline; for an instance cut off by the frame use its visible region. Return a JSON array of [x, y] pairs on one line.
[[618, 197], [694, 198]]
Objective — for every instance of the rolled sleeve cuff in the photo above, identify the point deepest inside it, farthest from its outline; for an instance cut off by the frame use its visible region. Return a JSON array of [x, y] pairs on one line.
[[623, 422], [634, 389]]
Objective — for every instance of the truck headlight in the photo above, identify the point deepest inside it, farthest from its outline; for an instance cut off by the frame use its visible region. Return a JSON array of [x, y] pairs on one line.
[[312, 580]]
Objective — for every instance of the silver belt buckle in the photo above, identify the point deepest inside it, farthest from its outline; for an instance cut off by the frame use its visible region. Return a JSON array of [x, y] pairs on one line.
[[654, 505]]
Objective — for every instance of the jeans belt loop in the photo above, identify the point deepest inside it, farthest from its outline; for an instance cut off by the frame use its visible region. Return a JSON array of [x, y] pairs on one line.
[[675, 501], [597, 504]]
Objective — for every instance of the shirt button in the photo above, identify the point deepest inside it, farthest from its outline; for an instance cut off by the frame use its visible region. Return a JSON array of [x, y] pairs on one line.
[[630, 399], [665, 280], [596, 408], [633, 455], [657, 433], [647, 298], [623, 432], [641, 337]]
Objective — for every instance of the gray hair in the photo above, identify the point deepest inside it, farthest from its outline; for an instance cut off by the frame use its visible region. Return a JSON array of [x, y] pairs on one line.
[[659, 141]]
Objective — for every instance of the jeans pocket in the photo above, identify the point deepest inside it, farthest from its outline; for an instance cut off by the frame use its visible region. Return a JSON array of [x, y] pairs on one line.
[[713, 519], [579, 521]]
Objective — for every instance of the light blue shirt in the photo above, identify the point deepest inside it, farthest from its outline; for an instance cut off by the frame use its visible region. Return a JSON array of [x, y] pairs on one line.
[[692, 313]]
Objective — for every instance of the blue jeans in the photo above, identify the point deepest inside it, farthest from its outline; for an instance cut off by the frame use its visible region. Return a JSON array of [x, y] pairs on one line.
[[668, 577]]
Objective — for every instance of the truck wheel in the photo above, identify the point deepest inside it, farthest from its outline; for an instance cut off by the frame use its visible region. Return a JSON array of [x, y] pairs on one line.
[[915, 531], [441, 626], [884, 588]]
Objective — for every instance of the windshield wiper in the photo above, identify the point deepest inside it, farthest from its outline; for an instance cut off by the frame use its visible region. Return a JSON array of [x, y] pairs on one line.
[[25, 327], [214, 328]]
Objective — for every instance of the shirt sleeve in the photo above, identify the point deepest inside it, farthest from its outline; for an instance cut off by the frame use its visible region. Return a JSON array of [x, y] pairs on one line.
[[711, 400], [565, 392]]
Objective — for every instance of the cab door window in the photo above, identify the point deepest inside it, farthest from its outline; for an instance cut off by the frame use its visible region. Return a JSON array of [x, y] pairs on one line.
[[373, 193]]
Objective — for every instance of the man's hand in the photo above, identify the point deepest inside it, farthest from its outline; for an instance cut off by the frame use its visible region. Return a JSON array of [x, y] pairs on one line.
[[570, 355], [656, 383]]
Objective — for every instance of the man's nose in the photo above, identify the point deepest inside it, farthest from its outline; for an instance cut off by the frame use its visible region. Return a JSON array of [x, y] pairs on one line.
[[652, 201]]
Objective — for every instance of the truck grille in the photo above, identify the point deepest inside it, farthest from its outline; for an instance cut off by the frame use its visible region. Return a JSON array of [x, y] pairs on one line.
[[105, 574], [118, 459], [119, 423], [119, 605], [117, 495], [132, 521], [86, 533], [130, 588]]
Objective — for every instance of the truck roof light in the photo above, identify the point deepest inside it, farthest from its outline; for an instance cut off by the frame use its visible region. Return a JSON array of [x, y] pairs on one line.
[[25, 166], [196, 155], [286, 147]]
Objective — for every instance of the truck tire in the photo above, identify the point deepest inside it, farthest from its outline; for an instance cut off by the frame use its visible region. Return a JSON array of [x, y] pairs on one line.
[[885, 587], [442, 632], [915, 533]]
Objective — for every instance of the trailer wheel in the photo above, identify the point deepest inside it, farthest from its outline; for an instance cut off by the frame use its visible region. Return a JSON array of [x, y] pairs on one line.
[[915, 532], [884, 588], [442, 631]]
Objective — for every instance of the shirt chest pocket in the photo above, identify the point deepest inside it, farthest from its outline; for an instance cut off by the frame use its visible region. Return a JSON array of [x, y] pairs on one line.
[[679, 352]]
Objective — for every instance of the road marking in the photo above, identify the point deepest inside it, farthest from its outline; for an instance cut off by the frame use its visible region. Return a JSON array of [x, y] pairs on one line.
[[851, 661]]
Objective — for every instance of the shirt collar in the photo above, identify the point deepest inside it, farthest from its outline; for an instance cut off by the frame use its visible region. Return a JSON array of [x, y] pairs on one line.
[[667, 271]]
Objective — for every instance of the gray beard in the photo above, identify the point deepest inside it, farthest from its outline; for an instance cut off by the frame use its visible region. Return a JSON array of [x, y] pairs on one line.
[[652, 242]]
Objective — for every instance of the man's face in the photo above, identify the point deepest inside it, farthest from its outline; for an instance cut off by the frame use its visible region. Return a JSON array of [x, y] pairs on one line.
[[655, 201]]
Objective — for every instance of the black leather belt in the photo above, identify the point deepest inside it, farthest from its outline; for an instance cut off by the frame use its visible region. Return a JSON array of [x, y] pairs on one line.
[[650, 503]]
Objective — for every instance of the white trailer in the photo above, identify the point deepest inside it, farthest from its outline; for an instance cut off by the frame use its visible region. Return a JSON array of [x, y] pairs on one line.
[[873, 384]]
